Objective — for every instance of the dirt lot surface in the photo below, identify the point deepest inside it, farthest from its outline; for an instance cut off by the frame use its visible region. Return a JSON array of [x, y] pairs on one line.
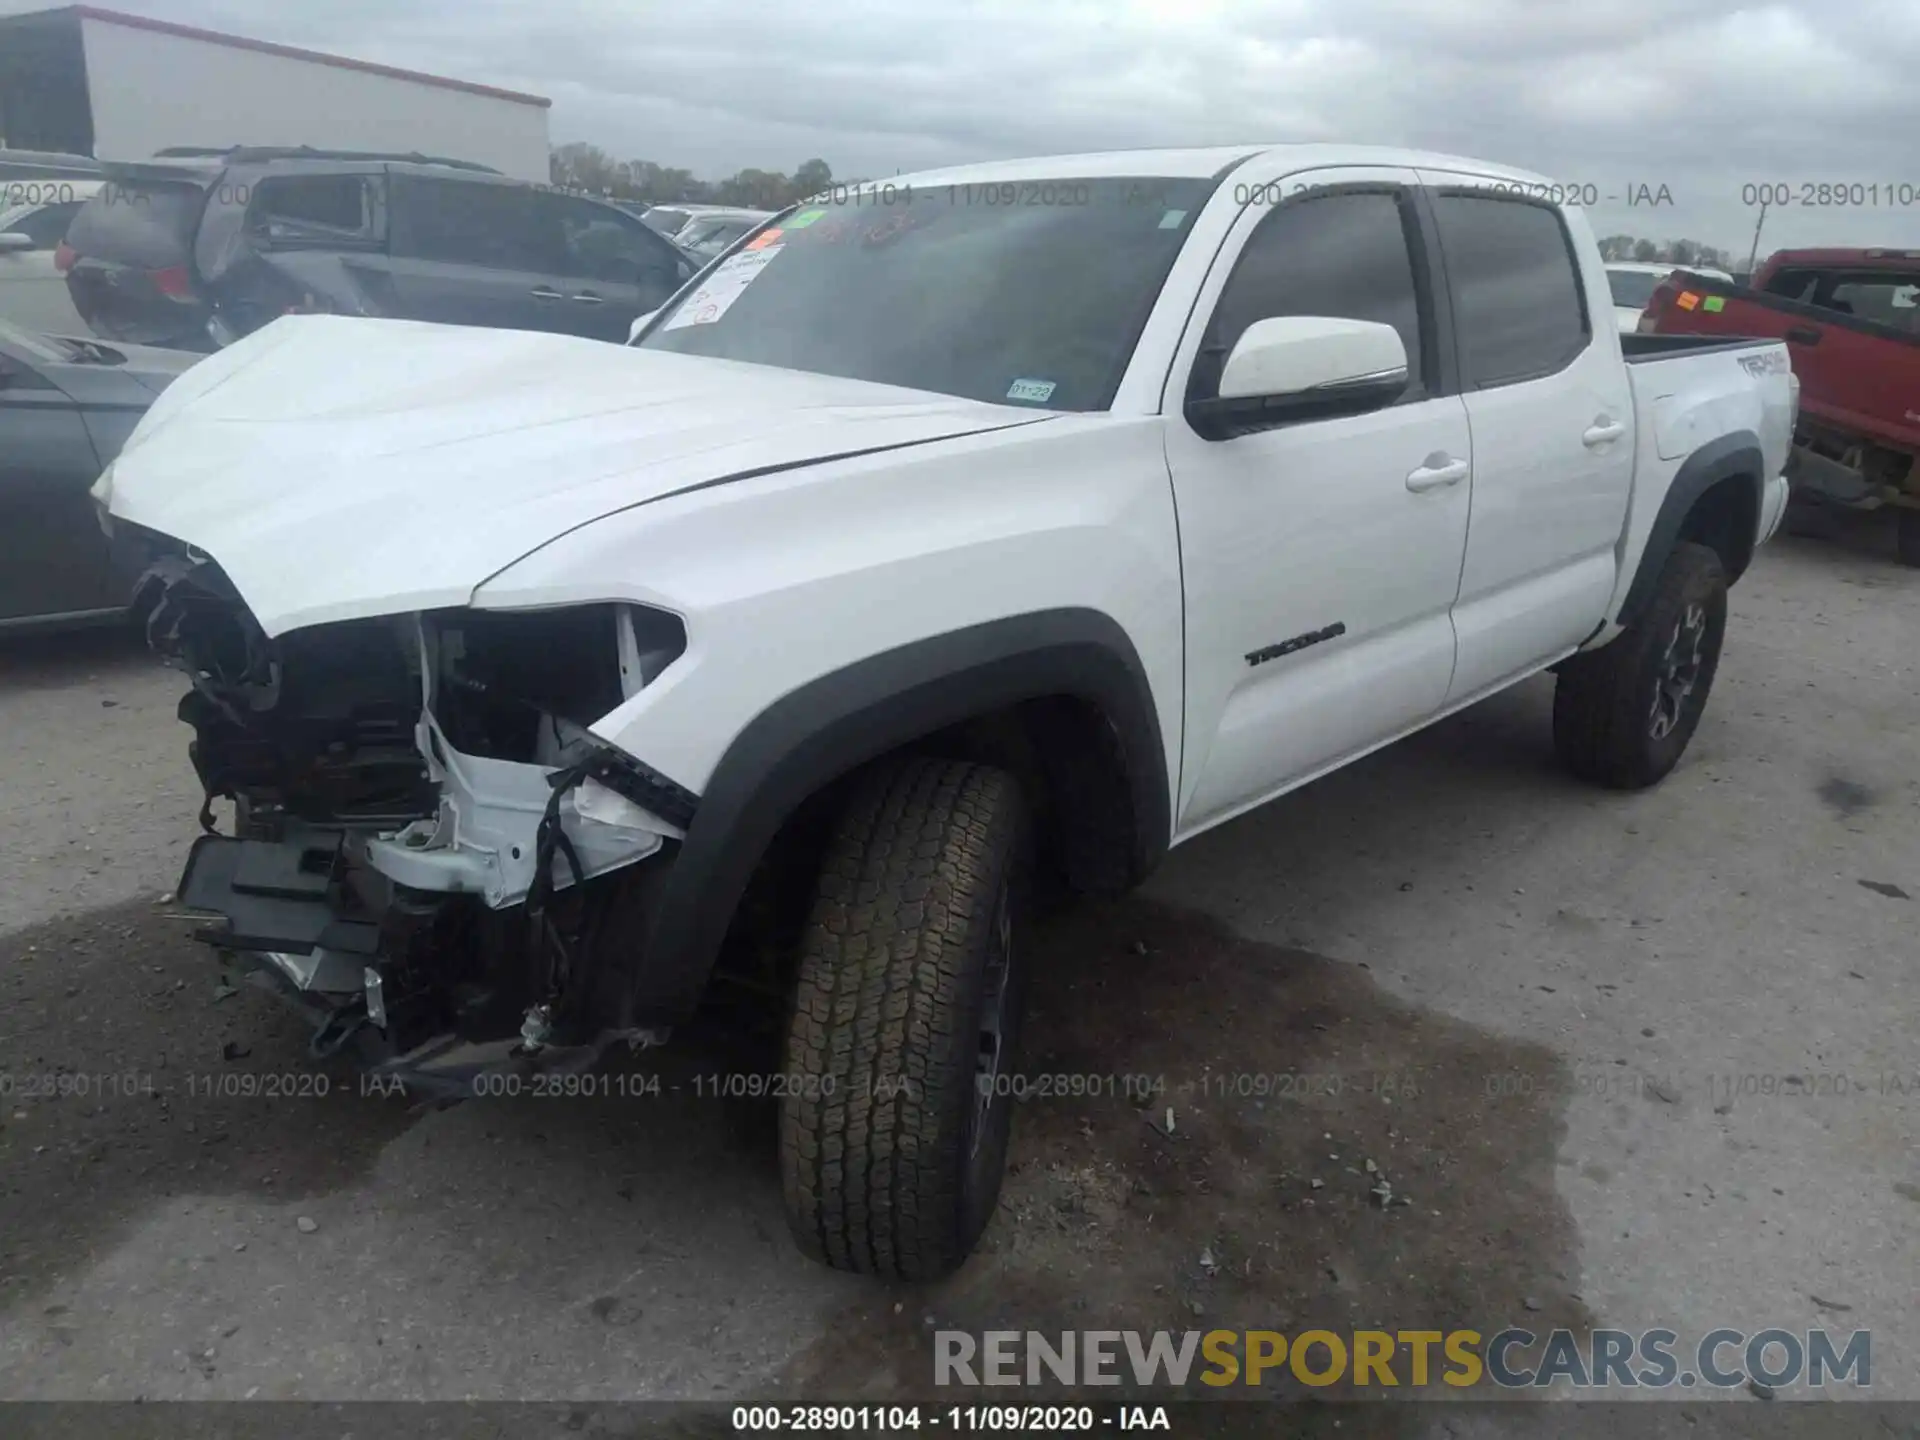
[[1631, 1061]]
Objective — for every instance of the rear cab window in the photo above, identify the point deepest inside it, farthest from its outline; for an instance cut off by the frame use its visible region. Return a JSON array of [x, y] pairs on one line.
[[1519, 309]]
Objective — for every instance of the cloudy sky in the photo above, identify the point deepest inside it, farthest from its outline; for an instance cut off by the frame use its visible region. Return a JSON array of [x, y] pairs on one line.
[[1706, 99]]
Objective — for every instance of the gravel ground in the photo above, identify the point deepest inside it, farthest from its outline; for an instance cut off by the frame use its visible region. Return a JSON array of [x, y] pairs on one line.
[[1567, 1027]]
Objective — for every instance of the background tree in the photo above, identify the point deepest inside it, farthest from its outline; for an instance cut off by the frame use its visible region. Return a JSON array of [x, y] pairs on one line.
[[811, 178], [578, 165]]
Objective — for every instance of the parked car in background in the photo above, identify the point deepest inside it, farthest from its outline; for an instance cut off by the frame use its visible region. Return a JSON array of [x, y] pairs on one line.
[[34, 217], [1851, 320], [196, 251], [1632, 284], [706, 235], [66, 407], [670, 220]]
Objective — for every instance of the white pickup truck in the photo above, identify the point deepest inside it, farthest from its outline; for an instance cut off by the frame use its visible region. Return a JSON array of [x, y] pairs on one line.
[[1016, 521]]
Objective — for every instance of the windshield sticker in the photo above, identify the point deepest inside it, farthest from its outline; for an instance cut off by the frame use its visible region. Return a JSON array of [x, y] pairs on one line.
[[1715, 304], [720, 289], [1688, 300], [1038, 391], [804, 219], [763, 240], [1172, 219]]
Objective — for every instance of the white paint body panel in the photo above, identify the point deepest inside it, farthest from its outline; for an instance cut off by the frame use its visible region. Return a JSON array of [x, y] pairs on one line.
[[151, 90], [341, 467], [799, 523]]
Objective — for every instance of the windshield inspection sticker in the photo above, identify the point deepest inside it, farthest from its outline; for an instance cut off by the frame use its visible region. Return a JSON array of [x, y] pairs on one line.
[[1171, 220], [1039, 391], [804, 219], [720, 289], [1714, 304]]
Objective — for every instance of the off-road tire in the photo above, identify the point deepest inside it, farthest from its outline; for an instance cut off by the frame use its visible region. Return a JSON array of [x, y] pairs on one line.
[[1906, 536], [1605, 724], [918, 896]]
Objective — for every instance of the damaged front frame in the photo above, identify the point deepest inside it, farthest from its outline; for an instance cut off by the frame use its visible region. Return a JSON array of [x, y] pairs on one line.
[[332, 896]]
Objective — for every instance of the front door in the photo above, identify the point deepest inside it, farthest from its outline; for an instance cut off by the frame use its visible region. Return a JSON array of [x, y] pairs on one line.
[[1322, 557]]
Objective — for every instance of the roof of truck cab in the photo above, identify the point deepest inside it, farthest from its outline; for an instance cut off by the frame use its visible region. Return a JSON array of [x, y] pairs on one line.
[[1198, 164], [1872, 255]]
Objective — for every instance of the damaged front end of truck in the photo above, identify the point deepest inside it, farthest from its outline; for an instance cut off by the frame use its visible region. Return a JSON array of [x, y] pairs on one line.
[[432, 854]]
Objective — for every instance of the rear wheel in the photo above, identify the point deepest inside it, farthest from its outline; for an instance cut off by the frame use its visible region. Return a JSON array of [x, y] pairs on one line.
[[895, 1118], [1623, 714]]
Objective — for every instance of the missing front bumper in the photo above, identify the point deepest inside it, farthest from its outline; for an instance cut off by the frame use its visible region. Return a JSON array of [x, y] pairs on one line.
[[432, 990]]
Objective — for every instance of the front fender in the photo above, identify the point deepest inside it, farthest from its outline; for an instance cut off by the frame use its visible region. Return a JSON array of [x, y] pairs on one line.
[[834, 724]]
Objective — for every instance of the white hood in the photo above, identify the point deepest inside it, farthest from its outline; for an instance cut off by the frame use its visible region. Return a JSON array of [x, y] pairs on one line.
[[338, 468]]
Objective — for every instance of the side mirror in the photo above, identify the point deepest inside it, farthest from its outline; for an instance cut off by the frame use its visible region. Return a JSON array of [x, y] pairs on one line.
[[640, 323], [1303, 367], [13, 240]]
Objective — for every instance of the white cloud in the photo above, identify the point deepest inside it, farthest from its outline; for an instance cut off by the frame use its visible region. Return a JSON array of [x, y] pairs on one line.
[[1703, 99]]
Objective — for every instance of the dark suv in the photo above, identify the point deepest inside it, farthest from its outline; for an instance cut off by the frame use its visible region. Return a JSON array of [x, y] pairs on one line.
[[197, 249]]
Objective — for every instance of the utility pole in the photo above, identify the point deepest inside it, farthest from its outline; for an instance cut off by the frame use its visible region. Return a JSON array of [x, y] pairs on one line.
[[1754, 254]]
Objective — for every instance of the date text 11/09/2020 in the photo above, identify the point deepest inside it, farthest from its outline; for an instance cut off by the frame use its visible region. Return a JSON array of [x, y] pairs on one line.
[[907, 1419]]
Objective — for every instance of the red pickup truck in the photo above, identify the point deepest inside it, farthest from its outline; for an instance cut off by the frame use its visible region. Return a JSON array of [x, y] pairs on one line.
[[1851, 320]]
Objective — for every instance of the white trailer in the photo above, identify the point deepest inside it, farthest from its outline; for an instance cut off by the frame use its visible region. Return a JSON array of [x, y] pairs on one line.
[[126, 87]]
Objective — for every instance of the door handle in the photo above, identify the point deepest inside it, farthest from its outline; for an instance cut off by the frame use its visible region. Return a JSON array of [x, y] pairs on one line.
[[1435, 476], [587, 297], [1803, 335], [540, 292], [1601, 432]]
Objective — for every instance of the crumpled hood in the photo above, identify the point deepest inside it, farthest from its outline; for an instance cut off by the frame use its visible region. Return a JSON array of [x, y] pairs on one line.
[[338, 468]]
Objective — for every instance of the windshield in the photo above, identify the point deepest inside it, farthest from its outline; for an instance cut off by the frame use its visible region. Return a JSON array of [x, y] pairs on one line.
[[1032, 291], [1632, 289]]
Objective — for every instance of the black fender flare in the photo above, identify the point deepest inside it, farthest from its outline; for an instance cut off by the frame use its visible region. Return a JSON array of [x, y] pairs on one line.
[[1737, 455], [833, 724]]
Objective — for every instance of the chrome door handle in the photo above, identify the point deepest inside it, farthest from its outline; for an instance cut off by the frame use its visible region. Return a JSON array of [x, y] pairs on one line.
[[540, 293], [587, 297], [1601, 432], [1435, 477]]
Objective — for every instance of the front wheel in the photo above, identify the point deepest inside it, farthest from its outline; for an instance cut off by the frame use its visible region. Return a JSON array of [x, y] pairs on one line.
[[1623, 714], [896, 1113]]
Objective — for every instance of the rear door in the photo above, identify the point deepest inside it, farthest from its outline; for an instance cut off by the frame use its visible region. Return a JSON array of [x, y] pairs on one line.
[[56, 556], [1552, 418], [613, 269], [476, 252]]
